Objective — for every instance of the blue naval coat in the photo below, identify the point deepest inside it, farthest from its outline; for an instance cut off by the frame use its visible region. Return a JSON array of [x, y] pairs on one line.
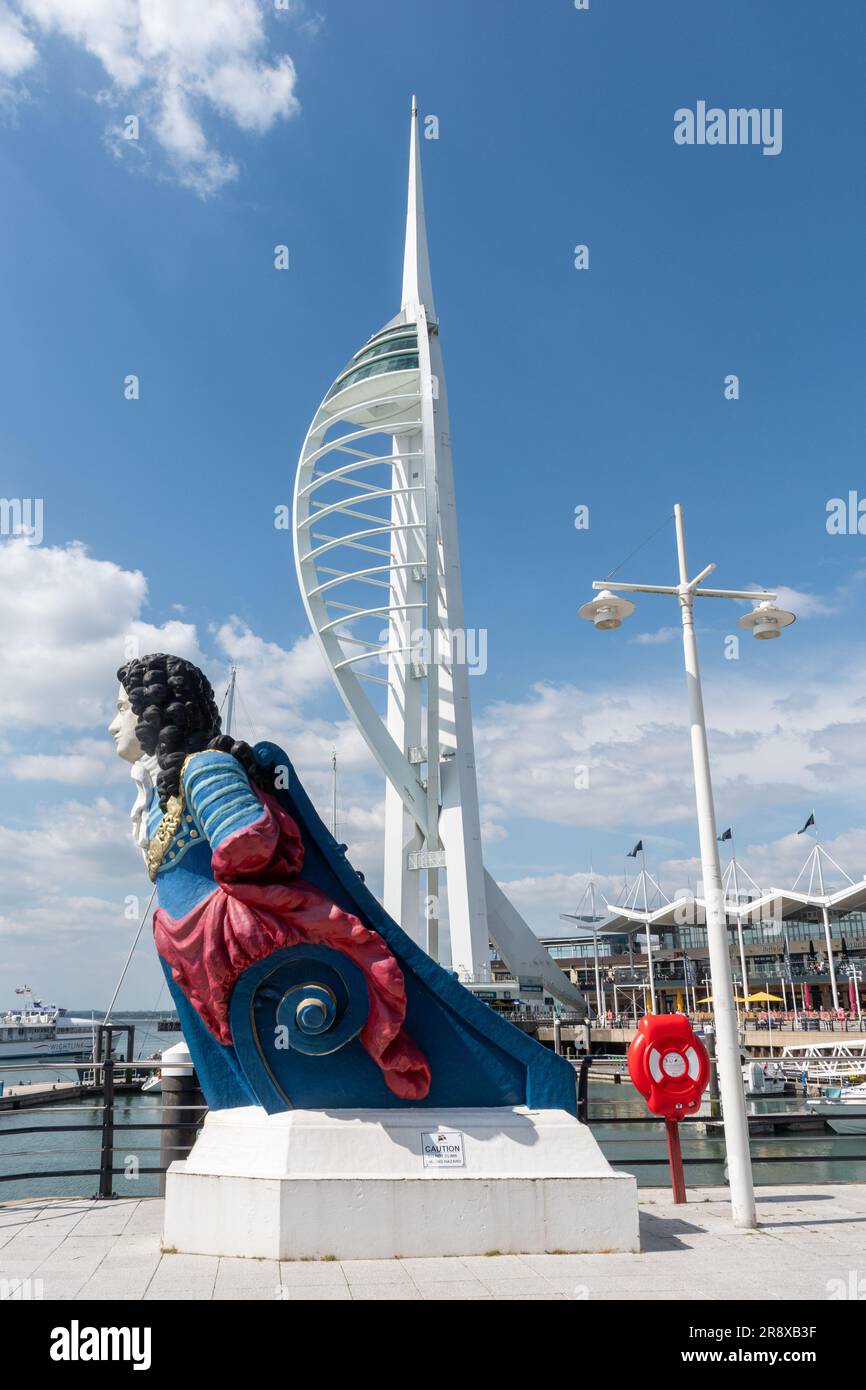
[[218, 800]]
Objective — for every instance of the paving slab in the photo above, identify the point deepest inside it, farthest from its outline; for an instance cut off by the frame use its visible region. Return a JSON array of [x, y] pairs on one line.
[[496, 1266], [375, 1271], [248, 1295], [127, 1283], [190, 1295], [251, 1271], [306, 1274], [399, 1291], [534, 1287], [437, 1269], [18, 1269], [62, 1289], [454, 1290], [317, 1293]]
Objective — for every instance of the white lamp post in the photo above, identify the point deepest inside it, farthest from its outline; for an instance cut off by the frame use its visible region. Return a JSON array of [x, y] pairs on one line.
[[607, 611]]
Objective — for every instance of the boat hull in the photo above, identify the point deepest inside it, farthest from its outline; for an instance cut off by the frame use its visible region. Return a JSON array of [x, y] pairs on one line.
[[77, 1047], [843, 1117], [848, 1126]]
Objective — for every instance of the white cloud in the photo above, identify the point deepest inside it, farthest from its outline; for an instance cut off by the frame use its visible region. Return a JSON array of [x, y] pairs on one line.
[[276, 681], [72, 845], [90, 762], [17, 49], [803, 605], [651, 639], [68, 621], [540, 898], [174, 63], [633, 744]]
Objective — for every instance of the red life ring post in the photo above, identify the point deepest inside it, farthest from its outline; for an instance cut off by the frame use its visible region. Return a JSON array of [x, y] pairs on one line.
[[669, 1065]]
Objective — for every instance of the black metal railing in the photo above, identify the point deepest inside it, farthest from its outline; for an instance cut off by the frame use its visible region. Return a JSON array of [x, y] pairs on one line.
[[706, 1160], [815, 1021], [109, 1068], [103, 1080]]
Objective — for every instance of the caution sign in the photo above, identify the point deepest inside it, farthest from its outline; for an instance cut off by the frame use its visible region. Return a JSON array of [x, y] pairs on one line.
[[442, 1148]]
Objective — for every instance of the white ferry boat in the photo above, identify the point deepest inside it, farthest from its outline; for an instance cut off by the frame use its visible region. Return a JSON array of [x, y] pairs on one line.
[[41, 1033]]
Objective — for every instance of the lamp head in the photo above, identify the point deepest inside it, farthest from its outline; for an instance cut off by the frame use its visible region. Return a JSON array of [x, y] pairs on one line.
[[606, 611], [766, 620]]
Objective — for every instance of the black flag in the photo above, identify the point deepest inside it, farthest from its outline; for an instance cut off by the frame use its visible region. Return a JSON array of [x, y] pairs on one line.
[[638, 849], [726, 835], [810, 821]]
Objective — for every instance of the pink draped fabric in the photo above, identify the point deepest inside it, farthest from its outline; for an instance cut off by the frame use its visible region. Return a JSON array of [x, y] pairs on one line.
[[260, 905]]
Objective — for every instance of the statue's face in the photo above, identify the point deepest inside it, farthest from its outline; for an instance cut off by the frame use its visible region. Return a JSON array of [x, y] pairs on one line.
[[122, 729]]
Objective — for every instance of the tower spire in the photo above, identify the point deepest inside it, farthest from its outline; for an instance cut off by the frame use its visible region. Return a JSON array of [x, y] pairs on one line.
[[417, 284]]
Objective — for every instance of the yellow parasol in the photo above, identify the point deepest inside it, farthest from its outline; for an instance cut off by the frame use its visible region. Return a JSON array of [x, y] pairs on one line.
[[762, 997], [738, 999]]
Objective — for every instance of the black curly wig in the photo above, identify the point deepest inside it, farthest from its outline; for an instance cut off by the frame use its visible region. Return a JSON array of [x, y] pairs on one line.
[[177, 715]]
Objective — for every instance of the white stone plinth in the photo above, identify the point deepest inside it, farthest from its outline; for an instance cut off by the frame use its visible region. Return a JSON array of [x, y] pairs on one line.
[[352, 1184]]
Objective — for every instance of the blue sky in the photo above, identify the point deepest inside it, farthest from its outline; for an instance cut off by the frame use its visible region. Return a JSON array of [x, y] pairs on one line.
[[602, 387]]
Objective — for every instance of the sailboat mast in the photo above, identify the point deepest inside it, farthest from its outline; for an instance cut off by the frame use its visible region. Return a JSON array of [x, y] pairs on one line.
[[230, 700]]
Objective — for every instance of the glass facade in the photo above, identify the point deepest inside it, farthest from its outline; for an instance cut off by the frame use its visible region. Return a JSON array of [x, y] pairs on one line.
[[801, 930], [394, 342], [392, 362], [580, 949], [764, 967]]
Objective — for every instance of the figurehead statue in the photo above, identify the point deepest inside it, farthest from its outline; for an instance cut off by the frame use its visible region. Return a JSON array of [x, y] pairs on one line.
[[226, 858], [293, 986]]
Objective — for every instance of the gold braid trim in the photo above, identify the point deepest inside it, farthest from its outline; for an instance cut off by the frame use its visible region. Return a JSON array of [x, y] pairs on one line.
[[169, 825]]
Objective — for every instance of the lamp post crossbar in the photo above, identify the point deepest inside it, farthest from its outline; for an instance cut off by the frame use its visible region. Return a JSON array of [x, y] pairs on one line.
[[751, 595]]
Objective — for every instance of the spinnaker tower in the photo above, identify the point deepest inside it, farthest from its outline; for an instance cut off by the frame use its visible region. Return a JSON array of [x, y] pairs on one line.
[[378, 563]]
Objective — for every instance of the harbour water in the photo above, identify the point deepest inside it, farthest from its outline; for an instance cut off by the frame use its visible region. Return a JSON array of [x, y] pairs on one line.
[[830, 1158], [50, 1153]]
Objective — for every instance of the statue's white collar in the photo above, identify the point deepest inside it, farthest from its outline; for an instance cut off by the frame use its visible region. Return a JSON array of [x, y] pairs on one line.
[[144, 774]]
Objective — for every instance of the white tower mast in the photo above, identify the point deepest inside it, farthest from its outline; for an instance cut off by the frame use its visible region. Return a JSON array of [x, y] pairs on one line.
[[376, 467], [454, 836]]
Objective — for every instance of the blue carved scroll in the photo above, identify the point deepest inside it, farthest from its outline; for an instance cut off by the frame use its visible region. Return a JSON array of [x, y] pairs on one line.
[[295, 1015]]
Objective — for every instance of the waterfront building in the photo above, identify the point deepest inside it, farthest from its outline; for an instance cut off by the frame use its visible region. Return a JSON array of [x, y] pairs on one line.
[[678, 932]]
